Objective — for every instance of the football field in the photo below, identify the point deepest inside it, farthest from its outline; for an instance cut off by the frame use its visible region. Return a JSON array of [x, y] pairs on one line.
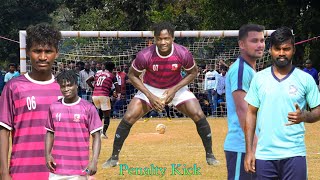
[[178, 153]]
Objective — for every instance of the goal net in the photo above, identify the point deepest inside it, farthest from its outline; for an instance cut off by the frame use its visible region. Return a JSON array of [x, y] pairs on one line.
[[215, 48]]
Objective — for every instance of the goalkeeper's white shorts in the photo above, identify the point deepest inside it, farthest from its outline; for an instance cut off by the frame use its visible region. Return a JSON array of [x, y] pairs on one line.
[[181, 96]]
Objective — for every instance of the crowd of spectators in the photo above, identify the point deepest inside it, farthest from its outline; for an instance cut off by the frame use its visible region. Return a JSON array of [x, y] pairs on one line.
[[208, 87], [86, 69]]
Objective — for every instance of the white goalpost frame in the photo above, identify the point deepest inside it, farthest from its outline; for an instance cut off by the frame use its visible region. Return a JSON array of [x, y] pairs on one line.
[[119, 34]]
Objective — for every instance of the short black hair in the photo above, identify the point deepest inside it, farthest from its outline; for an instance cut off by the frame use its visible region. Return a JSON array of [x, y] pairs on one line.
[[69, 62], [223, 67], [67, 76], [157, 28], [12, 64], [109, 65], [43, 34], [244, 29], [280, 36]]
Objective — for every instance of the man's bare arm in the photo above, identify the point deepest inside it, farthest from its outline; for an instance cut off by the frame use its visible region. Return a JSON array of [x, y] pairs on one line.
[[89, 82], [191, 75], [4, 151], [134, 77], [249, 131], [241, 106], [304, 116]]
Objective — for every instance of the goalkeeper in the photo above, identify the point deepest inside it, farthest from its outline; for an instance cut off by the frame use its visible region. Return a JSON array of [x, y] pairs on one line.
[[162, 84]]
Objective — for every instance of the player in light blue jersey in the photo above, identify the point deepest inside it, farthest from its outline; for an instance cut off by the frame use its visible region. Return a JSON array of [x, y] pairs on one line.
[[275, 97], [252, 44]]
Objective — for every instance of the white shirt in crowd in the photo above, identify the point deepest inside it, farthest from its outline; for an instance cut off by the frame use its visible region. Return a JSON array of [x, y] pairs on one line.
[[221, 84], [210, 80]]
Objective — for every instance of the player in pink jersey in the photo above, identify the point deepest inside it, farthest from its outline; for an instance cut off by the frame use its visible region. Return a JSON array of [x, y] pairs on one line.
[[104, 81], [162, 84], [70, 122], [24, 108]]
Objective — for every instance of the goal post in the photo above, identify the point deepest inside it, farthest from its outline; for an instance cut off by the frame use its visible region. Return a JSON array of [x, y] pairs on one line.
[[207, 47], [123, 34]]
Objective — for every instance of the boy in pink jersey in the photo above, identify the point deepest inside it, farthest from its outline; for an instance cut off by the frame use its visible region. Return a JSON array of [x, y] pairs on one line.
[[70, 122], [162, 84], [24, 108], [104, 81]]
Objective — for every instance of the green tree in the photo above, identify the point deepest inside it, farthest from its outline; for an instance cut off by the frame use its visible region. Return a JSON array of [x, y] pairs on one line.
[[302, 16], [17, 15], [109, 14], [132, 15], [183, 14]]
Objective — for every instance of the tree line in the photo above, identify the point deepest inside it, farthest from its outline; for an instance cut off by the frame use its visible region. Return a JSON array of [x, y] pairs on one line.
[[303, 16]]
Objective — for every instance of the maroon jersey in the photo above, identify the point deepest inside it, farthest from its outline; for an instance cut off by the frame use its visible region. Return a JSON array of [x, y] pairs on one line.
[[121, 77], [24, 110], [163, 72], [103, 83]]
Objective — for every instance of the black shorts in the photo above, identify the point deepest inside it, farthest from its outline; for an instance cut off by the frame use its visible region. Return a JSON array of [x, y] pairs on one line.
[[235, 166]]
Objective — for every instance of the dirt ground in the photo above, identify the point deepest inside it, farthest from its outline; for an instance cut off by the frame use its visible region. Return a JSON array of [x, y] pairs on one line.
[[179, 151]]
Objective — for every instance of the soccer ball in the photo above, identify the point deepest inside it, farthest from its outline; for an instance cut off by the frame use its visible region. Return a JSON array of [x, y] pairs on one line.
[[161, 128]]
